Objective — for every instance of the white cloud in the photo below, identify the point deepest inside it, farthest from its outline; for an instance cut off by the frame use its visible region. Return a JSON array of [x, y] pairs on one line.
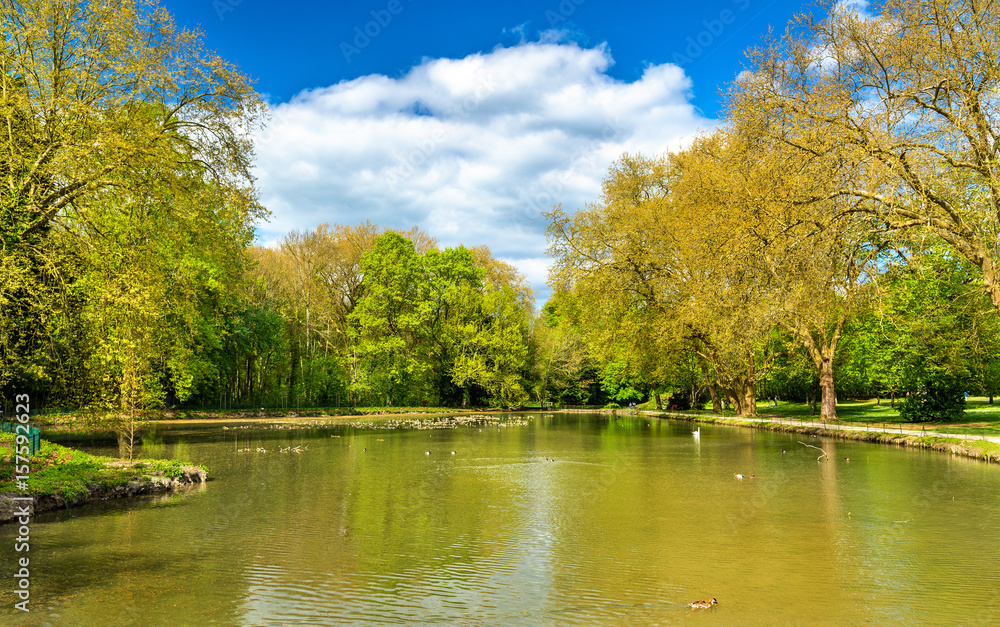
[[468, 149], [858, 7]]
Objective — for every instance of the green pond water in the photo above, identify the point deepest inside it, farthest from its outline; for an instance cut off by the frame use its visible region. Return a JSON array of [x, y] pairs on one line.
[[570, 519]]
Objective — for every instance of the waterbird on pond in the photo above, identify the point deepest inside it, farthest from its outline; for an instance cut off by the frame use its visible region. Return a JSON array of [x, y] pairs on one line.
[[427, 452], [703, 605], [697, 432], [737, 475]]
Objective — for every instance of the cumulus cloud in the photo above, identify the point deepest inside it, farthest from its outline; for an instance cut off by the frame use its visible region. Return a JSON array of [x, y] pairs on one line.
[[469, 149]]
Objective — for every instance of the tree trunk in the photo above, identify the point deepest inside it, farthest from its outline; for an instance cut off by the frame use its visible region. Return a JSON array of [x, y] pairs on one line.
[[990, 279], [716, 403], [748, 402], [734, 401], [250, 376], [828, 410], [294, 365], [822, 349], [659, 403], [742, 394], [748, 386]]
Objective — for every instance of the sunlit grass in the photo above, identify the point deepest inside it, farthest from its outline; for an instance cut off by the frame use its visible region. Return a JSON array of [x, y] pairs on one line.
[[56, 469], [981, 417]]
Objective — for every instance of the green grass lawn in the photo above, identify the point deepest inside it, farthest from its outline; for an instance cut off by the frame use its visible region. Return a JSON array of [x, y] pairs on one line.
[[981, 417], [56, 469]]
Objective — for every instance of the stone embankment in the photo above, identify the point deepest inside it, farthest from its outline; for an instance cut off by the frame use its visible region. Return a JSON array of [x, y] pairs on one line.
[[189, 475], [986, 448]]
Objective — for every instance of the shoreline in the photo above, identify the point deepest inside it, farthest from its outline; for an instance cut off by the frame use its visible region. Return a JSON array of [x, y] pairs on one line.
[[983, 448], [69, 424], [159, 483], [293, 418]]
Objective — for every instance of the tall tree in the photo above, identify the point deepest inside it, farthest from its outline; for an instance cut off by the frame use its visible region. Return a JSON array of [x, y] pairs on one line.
[[663, 264], [490, 348], [123, 143], [99, 95], [904, 94], [815, 253], [393, 320]]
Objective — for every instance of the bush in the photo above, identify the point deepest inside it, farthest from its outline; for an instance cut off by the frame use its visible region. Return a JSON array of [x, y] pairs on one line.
[[937, 398]]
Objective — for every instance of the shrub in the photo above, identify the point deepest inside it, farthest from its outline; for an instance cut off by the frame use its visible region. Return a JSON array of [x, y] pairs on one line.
[[939, 398]]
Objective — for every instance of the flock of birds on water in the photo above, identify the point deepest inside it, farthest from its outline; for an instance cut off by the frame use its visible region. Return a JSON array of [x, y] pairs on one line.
[[261, 449]]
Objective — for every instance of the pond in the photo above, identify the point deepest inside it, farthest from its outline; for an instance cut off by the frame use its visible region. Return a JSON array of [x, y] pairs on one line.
[[569, 519]]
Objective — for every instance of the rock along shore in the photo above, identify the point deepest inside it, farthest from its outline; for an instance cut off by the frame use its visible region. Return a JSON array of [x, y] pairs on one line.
[[154, 485]]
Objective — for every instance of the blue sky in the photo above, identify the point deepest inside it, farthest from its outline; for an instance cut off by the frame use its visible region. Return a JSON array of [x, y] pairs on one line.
[[468, 119]]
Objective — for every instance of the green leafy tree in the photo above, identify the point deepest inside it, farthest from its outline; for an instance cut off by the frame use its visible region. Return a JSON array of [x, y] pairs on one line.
[[617, 385], [565, 369], [428, 329], [126, 201], [491, 348], [933, 330], [388, 322], [102, 95]]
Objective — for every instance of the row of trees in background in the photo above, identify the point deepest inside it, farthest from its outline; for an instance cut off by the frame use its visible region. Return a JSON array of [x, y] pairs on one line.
[[338, 316], [128, 280], [126, 203], [360, 314], [838, 234], [127, 276]]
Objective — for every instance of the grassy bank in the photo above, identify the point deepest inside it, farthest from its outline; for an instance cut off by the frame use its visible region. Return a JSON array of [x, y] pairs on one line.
[[981, 417], [57, 471], [985, 450]]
